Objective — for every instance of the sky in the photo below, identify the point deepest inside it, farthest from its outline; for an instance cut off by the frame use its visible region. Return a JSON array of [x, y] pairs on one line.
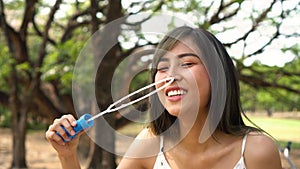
[[272, 55]]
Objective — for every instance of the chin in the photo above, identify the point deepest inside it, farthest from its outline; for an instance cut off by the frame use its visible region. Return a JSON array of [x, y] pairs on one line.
[[174, 112]]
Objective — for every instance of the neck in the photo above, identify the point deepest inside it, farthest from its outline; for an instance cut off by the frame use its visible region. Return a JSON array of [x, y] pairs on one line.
[[191, 134]]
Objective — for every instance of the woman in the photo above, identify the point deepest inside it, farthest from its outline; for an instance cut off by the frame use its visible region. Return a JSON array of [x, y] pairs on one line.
[[196, 121]]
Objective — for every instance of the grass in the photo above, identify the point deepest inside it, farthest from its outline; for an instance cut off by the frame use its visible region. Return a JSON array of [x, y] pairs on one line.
[[282, 129]]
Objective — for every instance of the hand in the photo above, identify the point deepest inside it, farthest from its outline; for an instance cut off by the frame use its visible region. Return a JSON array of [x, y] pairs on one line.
[[63, 148]]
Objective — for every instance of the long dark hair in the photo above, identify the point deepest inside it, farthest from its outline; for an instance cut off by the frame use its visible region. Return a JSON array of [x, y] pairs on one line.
[[225, 93]]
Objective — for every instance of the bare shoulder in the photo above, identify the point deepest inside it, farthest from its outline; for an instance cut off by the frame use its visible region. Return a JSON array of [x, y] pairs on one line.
[[145, 133], [261, 152], [144, 139], [142, 151]]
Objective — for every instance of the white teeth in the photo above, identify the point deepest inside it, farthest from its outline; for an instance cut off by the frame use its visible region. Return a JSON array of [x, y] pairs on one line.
[[175, 92]]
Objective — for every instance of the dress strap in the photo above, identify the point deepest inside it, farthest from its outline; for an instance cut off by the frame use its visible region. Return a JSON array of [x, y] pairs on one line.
[[244, 144], [161, 144]]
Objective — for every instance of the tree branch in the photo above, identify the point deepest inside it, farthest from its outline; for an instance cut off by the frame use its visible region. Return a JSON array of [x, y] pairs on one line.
[[70, 29], [261, 49], [39, 33], [42, 51], [258, 82], [73, 24], [28, 15], [15, 43], [215, 18], [29, 92], [255, 24]]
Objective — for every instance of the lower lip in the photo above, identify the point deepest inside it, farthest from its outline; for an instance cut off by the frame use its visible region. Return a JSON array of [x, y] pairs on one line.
[[175, 98]]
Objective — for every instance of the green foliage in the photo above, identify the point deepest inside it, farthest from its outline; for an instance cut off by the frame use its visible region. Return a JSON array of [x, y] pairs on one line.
[[5, 117], [5, 61], [59, 64], [33, 122], [295, 49], [14, 4], [139, 81], [238, 1], [36, 124], [23, 66], [271, 98]]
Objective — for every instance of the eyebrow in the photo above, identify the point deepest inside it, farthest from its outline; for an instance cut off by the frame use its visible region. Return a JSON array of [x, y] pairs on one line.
[[187, 54], [180, 56]]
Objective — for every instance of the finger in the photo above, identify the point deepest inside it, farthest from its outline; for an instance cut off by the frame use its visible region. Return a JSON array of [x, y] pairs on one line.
[[47, 134], [64, 126], [68, 126], [59, 126], [71, 119], [61, 132], [54, 138], [67, 122]]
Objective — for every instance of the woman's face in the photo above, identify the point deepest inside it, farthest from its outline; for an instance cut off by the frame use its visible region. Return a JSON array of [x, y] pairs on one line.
[[191, 86]]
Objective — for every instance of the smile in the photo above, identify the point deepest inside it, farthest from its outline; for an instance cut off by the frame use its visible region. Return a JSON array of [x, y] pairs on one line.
[[175, 92]]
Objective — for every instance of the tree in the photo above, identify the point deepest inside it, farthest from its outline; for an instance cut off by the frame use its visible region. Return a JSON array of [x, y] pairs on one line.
[[280, 98], [41, 49]]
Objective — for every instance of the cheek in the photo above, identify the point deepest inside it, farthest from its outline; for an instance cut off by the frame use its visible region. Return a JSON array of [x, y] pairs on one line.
[[203, 85], [158, 76], [204, 91]]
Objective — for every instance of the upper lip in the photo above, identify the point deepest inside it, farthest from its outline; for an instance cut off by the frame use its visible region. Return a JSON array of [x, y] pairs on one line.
[[174, 88]]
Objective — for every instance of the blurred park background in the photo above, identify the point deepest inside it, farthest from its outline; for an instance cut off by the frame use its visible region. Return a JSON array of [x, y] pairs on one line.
[[41, 40]]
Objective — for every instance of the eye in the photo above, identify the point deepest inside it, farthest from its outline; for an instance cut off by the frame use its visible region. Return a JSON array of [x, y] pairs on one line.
[[162, 68], [187, 64]]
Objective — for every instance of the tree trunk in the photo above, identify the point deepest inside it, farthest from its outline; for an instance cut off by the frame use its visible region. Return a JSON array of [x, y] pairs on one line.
[[19, 136], [18, 117], [18, 122], [18, 130], [100, 157]]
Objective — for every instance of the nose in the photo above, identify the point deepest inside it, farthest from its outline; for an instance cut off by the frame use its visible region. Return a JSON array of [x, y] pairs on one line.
[[170, 79], [175, 73]]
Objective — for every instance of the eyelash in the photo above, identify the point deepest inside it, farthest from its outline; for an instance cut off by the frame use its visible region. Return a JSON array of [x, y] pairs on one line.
[[162, 69], [187, 64]]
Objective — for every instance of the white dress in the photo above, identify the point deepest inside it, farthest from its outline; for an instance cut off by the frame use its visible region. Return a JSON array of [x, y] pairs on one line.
[[161, 162]]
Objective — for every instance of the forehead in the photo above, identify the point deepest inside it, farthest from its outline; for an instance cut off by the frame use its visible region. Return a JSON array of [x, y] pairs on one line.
[[166, 58], [181, 49], [187, 43], [182, 46]]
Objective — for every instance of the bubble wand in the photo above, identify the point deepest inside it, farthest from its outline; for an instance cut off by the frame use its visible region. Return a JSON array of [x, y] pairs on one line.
[[87, 120]]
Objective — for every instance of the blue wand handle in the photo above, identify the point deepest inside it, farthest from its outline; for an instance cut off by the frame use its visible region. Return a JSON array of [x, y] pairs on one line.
[[82, 123]]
